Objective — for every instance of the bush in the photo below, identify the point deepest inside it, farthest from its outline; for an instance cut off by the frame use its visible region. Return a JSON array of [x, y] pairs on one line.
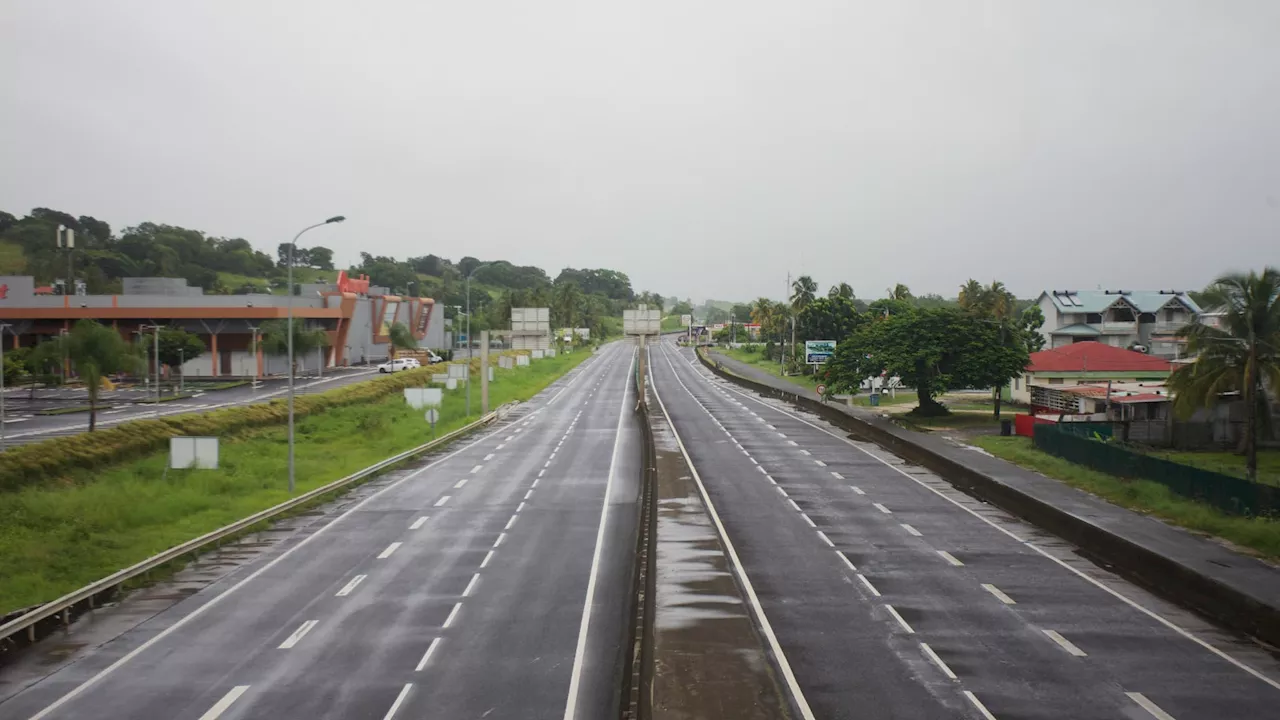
[[52, 459]]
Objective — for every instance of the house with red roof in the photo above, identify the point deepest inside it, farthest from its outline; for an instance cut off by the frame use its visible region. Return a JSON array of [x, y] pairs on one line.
[[1088, 363]]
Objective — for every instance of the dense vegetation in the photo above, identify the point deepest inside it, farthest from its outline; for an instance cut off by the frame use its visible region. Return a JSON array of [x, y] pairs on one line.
[[577, 297]]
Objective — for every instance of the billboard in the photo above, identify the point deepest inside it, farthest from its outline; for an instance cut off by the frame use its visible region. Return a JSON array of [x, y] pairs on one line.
[[642, 322], [817, 352]]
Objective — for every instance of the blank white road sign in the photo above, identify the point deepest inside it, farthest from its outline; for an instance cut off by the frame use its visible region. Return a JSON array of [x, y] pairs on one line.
[[193, 452]]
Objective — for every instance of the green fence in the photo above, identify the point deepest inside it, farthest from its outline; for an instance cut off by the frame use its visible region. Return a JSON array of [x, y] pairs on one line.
[[1231, 495]]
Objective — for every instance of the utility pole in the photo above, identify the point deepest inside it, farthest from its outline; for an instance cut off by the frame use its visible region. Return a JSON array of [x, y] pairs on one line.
[[3, 328], [782, 367], [182, 371], [484, 371], [253, 329]]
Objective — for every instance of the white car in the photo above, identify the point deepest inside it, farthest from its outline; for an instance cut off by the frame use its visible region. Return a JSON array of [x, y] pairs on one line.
[[399, 364]]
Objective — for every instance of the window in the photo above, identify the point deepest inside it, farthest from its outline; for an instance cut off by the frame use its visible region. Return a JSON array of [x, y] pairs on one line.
[[1015, 383], [1055, 381], [1093, 318], [1169, 314], [1147, 318], [1122, 315]]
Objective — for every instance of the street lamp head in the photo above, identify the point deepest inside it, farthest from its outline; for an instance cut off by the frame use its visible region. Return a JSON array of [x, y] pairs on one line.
[[336, 219]]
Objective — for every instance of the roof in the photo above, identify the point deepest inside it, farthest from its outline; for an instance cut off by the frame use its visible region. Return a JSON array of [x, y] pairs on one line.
[[1077, 329], [1144, 398], [1096, 301], [1095, 357]]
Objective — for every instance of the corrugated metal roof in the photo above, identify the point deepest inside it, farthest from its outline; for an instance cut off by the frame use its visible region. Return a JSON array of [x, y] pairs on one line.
[[1092, 356]]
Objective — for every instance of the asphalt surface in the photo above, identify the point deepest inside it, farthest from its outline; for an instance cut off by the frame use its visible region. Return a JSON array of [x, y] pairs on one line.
[[492, 582], [22, 424], [891, 598]]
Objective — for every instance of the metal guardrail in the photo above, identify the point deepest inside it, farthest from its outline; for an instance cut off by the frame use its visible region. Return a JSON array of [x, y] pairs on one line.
[[63, 605]]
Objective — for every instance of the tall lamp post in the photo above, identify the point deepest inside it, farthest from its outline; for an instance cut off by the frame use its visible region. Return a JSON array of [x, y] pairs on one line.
[[473, 272], [3, 328], [289, 332], [156, 328]]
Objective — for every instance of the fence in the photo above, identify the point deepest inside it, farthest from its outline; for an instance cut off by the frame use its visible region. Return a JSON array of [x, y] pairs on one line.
[[1232, 495]]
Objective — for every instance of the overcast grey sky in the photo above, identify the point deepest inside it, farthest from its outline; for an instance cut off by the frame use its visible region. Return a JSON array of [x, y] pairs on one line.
[[704, 148]]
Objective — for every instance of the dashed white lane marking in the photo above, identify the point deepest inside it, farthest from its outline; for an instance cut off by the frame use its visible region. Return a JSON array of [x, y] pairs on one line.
[[781, 491], [808, 520], [819, 463], [950, 558], [1149, 706], [534, 484], [471, 585], [297, 635], [770, 479], [526, 495], [794, 506], [1064, 643], [390, 549], [510, 522], [418, 523], [762, 472], [826, 539], [793, 443], [349, 587], [520, 507], [847, 561], [458, 485], [782, 435], [488, 457], [928, 651], [867, 582], [882, 509], [540, 472], [452, 614], [753, 460], [805, 452], [443, 500], [771, 427], [552, 456], [476, 469], [898, 617], [510, 438], [487, 557], [404, 693], [501, 536], [546, 464], [221, 706], [427, 655], [836, 475], [999, 595], [500, 446], [986, 714], [912, 530], [857, 490]]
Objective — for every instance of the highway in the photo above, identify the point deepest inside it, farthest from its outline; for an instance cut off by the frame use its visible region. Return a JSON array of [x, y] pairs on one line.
[[882, 596], [23, 425], [493, 581]]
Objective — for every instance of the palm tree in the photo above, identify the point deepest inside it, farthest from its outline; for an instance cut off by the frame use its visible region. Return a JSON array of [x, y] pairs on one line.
[[802, 292], [900, 292], [95, 351], [843, 290], [1241, 356], [972, 295], [566, 298]]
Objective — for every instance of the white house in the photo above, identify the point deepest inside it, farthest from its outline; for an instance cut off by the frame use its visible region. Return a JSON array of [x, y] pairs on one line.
[[1120, 318]]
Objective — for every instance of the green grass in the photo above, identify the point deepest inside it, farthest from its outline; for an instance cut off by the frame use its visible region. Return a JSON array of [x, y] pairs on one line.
[[13, 261], [671, 323], [954, 421], [1259, 535], [233, 281], [1228, 463], [758, 360], [63, 411], [56, 538]]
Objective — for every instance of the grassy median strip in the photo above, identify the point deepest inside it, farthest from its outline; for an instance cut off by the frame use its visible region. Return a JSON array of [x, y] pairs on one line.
[[1258, 534], [56, 537]]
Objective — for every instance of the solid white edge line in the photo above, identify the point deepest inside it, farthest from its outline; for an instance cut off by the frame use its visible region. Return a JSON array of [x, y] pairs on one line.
[[986, 714], [826, 539], [297, 635], [938, 661], [847, 561], [427, 655], [1065, 643], [580, 654], [452, 614], [766, 628], [999, 595], [867, 582], [794, 506], [351, 586], [252, 576], [471, 585], [404, 692], [809, 520], [898, 617], [390, 549], [1149, 706], [221, 706]]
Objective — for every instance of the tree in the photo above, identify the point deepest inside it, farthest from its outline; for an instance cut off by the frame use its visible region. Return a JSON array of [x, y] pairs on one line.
[[275, 339], [900, 292], [828, 319], [933, 350], [95, 351], [402, 338], [1031, 321], [320, 258], [971, 294], [178, 345], [843, 290], [1241, 356], [567, 295], [682, 307], [802, 292]]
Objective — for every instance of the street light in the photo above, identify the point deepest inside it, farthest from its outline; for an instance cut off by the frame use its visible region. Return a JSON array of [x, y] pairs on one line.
[[289, 331], [157, 351], [3, 327], [473, 272]]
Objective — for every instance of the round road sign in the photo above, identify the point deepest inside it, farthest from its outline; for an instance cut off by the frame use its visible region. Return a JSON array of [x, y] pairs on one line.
[[822, 389], [433, 415]]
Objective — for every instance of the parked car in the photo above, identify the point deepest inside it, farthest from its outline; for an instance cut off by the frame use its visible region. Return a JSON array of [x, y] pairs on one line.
[[433, 358], [399, 364]]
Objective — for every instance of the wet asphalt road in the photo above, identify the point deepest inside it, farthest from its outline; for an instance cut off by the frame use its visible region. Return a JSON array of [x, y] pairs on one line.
[[493, 582], [891, 600]]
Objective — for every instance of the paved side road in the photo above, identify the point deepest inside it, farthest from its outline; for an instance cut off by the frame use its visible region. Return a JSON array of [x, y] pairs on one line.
[[25, 427], [493, 582], [893, 596]]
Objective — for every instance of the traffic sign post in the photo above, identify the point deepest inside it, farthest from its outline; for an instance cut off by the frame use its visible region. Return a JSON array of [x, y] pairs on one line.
[[433, 416]]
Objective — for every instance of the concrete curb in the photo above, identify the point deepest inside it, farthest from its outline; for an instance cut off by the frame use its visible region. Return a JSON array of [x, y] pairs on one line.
[[1230, 606]]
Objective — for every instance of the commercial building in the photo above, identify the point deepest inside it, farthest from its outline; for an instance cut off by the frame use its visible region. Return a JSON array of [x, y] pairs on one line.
[[356, 317]]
